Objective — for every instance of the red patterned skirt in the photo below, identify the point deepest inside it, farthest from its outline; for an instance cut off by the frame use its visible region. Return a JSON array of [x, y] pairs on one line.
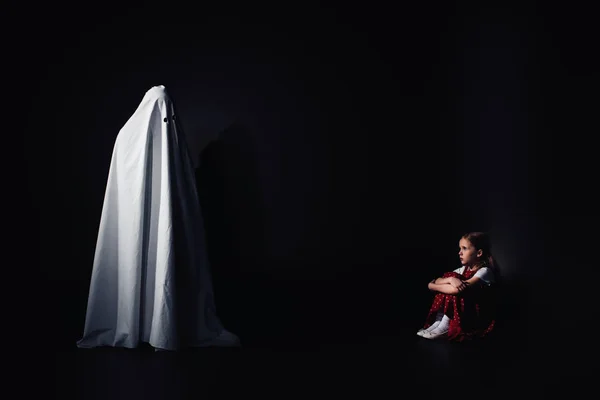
[[471, 313]]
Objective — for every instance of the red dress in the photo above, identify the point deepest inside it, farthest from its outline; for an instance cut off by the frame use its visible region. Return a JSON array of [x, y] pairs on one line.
[[471, 313]]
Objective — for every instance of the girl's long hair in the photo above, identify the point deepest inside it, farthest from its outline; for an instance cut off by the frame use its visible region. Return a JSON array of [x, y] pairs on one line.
[[481, 241]]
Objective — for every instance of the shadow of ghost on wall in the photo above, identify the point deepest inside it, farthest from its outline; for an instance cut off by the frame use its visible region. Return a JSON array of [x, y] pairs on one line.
[[230, 195]]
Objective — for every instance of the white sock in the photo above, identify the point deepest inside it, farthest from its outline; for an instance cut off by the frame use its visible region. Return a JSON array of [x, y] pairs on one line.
[[442, 327], [438, 319], [433, 326]]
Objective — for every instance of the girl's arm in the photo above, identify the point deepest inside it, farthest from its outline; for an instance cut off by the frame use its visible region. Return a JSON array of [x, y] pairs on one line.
[[442, 288], [473, 282], [448, 288]]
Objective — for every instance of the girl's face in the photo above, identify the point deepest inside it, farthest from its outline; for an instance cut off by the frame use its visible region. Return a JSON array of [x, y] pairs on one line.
[[468, 255]]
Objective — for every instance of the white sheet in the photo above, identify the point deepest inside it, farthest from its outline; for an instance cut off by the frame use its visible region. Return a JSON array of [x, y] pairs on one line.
[[151, 278]]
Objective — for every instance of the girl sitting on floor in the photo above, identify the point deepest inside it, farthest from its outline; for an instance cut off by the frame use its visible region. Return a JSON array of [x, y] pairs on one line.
[[463, 306]]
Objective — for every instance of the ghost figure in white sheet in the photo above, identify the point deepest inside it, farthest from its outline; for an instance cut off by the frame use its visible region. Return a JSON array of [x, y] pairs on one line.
[[151, 280]]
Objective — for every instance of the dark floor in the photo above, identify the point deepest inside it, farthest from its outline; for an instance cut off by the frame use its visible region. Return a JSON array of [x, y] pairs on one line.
[[383, 365], [333, 341]]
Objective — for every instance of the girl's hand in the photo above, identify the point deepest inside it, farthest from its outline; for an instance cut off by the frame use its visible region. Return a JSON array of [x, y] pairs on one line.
[[457, 283]]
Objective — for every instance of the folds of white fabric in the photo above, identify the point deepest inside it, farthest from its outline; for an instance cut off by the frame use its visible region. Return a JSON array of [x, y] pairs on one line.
[[151, 278]]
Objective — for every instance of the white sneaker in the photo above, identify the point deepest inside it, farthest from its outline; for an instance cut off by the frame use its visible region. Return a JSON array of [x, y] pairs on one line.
[[421, 331], [434, 335]]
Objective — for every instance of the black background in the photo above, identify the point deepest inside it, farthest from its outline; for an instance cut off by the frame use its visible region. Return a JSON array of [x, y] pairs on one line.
[[345, 149]]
